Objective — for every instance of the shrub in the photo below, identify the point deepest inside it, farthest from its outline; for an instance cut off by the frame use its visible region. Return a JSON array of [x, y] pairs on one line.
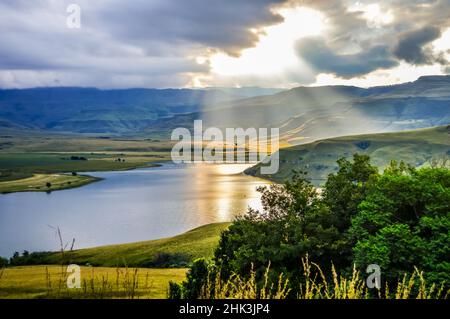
[[166, 260], [196, 279], [3, 262]]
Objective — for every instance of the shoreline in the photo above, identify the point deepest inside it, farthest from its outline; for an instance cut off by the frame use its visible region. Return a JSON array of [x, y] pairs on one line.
[[62, 181], [16, 186], [85, 173]]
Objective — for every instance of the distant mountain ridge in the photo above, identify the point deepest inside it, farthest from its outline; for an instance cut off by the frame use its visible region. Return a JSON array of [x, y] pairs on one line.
[[115, 111], [303, 114], [91, 110]]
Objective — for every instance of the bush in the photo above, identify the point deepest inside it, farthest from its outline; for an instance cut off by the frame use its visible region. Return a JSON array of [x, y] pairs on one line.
[[3, 262], [175, 291], [166, 260], [34, 258], [78, 158], [196, 279]]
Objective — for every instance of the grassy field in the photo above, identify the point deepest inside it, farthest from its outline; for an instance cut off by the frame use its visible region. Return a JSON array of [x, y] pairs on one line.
[[23, 156], [318, 159], [32, 171], [105, 271], [169, 252], [19, 165], [97, 282], [24, 142], [45, 182]]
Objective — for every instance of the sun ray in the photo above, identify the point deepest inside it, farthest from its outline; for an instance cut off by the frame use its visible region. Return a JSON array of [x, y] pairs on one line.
[[275, 50]]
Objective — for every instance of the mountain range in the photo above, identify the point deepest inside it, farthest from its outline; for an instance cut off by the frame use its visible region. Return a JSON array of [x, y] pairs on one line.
[[303, 114], [90, 110]]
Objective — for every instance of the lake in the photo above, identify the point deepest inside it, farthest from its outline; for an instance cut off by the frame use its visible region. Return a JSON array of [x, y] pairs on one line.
[[127, 206]]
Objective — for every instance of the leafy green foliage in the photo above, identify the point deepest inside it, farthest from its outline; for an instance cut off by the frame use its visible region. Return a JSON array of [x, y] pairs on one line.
[[404, 222], [27, 258], [399, 219], [294, 222], [3, 262], [196, 279]]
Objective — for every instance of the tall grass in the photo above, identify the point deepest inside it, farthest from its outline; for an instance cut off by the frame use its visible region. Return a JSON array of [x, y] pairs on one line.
[[314, 284], [125, 284], [237, 287]]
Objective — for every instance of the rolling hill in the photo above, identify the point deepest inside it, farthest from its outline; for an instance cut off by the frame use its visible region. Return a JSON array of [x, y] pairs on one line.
[[318, 159], [90, 110], [175, 251], [305, 114]]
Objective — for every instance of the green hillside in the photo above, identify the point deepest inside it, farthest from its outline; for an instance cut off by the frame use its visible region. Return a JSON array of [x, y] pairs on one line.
[[318, 159], [174, 251]]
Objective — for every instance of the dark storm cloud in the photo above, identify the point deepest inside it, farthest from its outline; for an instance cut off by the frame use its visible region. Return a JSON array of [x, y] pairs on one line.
[[323, 59], [378, 44], [155, 42], [411, 45], [214, 23], [149, 43]]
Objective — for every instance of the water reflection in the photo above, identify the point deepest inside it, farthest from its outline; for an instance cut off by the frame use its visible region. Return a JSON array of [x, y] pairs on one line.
[[127, 206], [222, 191]]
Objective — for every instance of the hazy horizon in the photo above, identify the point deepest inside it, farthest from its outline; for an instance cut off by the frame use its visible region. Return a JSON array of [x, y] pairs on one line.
[[219, 87]]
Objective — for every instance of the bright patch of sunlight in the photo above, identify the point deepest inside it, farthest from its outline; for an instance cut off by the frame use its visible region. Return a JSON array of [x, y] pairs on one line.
[[443, 43], [375, 16], [402, 73], [275, 49]]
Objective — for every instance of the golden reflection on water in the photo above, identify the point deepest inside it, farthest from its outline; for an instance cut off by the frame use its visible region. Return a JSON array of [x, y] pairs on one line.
[[222, 191]]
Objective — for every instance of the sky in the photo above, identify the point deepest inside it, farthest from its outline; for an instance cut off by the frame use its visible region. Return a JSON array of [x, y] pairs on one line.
[[211, 43]]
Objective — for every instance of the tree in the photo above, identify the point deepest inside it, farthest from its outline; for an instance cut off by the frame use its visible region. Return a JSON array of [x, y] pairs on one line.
[[404, 222], [399, 219], [295, 222], [342, 193], [48, 184], [345, 190], [3, 262], [15, 259]]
